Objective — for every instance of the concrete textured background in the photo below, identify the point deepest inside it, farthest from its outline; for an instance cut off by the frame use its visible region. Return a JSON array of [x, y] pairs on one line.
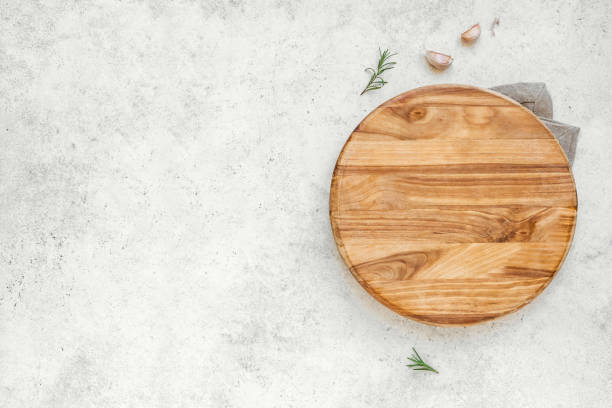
[[164, 180]]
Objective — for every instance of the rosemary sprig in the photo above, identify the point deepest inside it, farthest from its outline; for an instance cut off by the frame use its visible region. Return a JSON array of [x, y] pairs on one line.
[[419, 364], [376, 81]]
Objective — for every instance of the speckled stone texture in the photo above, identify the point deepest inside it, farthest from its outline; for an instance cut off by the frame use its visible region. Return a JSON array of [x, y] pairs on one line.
[[164, 181]]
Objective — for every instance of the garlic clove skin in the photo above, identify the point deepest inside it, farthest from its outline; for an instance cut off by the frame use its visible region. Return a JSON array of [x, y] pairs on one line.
[[471, 34], [438, 60], [495, 22]]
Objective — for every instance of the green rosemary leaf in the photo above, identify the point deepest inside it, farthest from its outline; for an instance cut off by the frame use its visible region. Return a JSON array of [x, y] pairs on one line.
[[376, 81], [419, 364]]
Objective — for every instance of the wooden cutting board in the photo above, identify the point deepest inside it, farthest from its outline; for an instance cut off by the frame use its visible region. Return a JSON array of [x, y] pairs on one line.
[[452, 205]]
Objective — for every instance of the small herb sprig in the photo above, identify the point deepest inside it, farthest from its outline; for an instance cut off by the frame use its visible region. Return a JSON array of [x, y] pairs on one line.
[[419, 364], [376, 81]]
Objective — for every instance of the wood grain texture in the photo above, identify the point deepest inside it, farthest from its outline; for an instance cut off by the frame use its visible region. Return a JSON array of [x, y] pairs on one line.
[[452, 205]]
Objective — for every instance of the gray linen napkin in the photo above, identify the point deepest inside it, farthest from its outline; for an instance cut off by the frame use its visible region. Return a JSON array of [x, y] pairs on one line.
[[535, 97]]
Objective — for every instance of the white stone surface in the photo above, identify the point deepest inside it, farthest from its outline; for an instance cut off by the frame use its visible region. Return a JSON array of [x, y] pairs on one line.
[[164, 180]]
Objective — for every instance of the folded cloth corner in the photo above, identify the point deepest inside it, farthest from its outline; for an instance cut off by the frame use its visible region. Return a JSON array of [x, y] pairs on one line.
[[535, 97]]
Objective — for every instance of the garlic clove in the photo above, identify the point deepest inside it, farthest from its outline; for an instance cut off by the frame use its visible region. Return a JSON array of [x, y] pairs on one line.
[[438, 60], [471, 34]]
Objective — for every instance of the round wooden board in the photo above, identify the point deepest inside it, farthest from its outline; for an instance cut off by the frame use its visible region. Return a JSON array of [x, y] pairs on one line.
[[452, 205]]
